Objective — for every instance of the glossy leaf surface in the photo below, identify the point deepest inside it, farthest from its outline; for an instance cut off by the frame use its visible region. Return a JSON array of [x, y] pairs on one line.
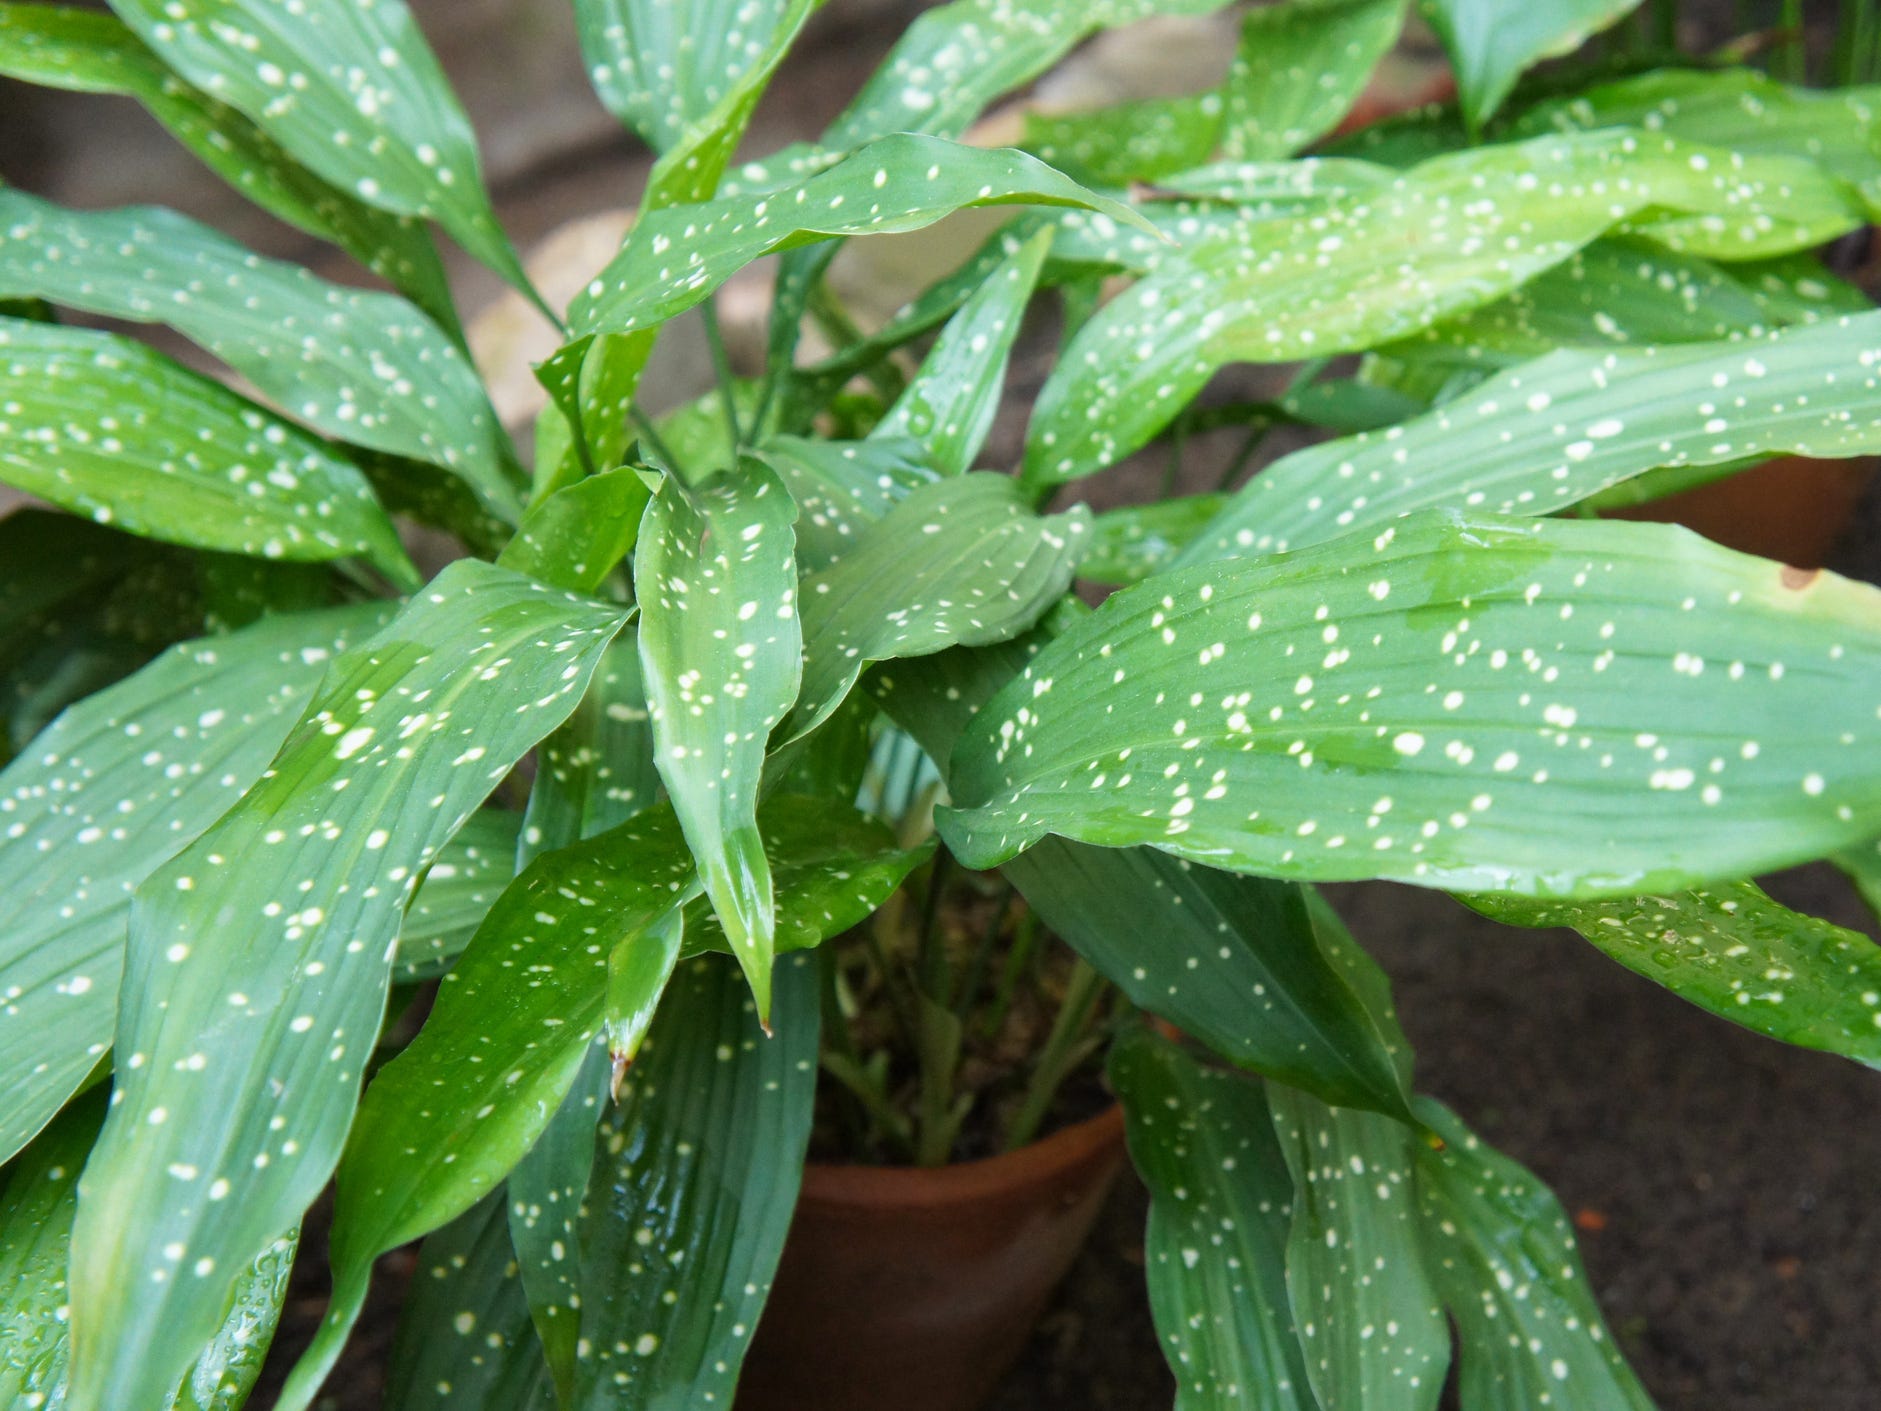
[[1299, 68], [841, 488], [1364, 1300], [244, 1044], [721, 652], [353, 91], [1491, 42], [107, 428], [1131, 543], [1500, 1250], [1732, 950], [576, 537], [1540, 437], [106, 795], [360, 366], [1215, 1251], [1316, 746], [470, 873]]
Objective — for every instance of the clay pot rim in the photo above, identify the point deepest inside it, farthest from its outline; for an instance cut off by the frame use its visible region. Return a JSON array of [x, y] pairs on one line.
[[964, 1182]]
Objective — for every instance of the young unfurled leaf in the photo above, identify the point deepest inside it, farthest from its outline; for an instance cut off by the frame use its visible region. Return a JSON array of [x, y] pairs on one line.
[[948, 406], [1542, 436], [1617, 708], [841, 488], [89, 52], [676, 257], [1362, 1289], [1475, 224], [464, 1340], [575, 537], [37, 1203], [107, 428], [1131, 543], [364, 367], [243, 1044], [1732, 950], [721, 650], [105, 795], [1299, 69], [1491, 42], [351, 90], [962, 561], [1215, 1249], [1500, 1251], [470, 873]]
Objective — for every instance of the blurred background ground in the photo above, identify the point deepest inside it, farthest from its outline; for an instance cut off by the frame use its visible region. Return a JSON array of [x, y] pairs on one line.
[[1720, 1181]]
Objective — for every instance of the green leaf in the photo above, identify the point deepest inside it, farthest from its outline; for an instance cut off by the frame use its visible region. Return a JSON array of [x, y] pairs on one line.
[[676, 257], [245, 1045], [364, 367], [841, 488], [102, 798], [1499, 1247], [1491, 42], [88, 52], [660, 68], [464, 1338], [1279, 717], [1540, 437], [1141, 140], [353, 91], [948, 405], [574, 538], [962, 561], [1480, 224], [721, 650], [694, 1184], [1131, 543], [1732, 950], [36, 1211], [1299, 69], [1361, 1287], [470, 873], [106, 427], [1862, 863], [1215, 1249]]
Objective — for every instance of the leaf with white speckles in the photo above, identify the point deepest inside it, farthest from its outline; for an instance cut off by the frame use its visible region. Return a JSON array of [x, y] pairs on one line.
[[1537, 706], [1215, 1249], [1498, 1245], [243, 1042], [1139, 140], [1544, 435], [1381, 263], [1299, 68], [106, 794], [470, 873], [352, 90], [1131, 543], [1491, 42], [841, 488], [948, 405], [1732, 950], [88, 52], [676, 257], [721, 652], [464, 1339], [960, 562], [361, 366], [108, 428], [1362, 1289], [694, 1184], [574, 538], [36, 1209]]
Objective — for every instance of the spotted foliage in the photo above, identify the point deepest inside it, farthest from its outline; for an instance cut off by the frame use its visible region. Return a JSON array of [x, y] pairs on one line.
[[1491, 42]]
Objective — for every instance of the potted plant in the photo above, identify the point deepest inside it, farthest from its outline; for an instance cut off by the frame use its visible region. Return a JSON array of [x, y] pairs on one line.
[[640, 800]]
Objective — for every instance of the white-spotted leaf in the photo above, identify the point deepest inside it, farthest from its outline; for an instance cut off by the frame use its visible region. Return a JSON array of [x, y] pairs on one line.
[[470, 873], [841, 488], [1491, 42], [576, 536], [1299, 69]]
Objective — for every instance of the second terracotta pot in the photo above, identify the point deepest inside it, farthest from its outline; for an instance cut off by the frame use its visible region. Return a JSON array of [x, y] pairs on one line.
[[912, 1290]]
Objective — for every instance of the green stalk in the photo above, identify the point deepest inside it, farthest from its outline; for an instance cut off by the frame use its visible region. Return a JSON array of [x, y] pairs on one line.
[[644, 425], [983, 952], [1792, 58], [1061, 1056], [722, 370], [1665, 25]]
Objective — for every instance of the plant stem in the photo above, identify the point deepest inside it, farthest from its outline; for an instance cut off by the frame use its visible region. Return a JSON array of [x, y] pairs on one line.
[[983, 952], [838, 1039], [722, 370], [1056, 1063], [1792, 59], [1024, 943], [1665, 24], [644, 426]]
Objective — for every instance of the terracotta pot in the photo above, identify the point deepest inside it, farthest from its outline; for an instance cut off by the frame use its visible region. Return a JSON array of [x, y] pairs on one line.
[[1792, 510], [913, 1290]]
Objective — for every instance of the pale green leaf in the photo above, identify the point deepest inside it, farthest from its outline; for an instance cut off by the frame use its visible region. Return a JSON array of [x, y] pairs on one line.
[[101, 799], [1215, 1250], [360, 366], [1500, 1250], [108, 428], [1129, 544], [89, 52], [1361, 1287], [352, 90], [721, 652], [1730, 949], [1299, 69], [1140, 140], [470, 873], [244, 1045], [1542, 436], [841, 488], [576, 536], [1862, 863], [1491, 42], [1618, 708]]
